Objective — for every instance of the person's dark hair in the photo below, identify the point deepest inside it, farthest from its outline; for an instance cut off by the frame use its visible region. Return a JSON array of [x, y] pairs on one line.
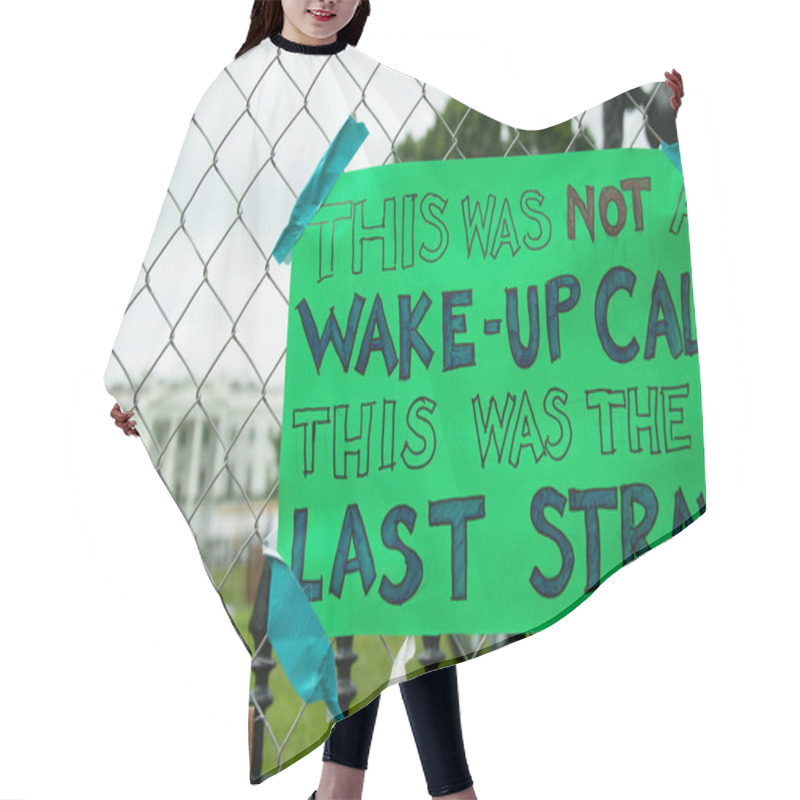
[[266, 18]]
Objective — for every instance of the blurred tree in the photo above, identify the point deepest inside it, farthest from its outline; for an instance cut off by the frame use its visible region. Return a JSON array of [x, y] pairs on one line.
[[660, 116], [460, 130]]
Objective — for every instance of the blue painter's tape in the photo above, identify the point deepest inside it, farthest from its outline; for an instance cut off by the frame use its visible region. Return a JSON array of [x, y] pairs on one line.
[[340, 153], [300, 641], [673, 153]]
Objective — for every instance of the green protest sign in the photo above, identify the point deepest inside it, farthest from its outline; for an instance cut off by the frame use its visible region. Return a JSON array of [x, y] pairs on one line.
[[492, 396]]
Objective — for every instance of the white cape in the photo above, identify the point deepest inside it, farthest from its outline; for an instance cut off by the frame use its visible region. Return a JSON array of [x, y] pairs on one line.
[[200, 353]]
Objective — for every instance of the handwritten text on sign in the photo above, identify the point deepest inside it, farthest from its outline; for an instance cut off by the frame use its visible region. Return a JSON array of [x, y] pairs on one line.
[[492, 394]]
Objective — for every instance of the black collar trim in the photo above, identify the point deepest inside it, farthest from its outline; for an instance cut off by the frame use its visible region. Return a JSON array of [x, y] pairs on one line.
[[308, 49]]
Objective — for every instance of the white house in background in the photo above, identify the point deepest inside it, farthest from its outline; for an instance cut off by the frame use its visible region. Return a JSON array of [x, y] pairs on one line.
[[217, 452]]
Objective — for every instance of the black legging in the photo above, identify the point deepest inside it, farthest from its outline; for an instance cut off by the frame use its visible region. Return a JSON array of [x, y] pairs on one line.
[[432, 706]]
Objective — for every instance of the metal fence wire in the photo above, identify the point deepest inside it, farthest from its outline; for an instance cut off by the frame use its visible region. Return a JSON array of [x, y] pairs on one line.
[[200, 362]]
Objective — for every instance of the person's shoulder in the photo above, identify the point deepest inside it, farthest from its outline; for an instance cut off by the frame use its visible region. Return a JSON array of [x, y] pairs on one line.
[[249, 67], [365, 69], [241, 75]]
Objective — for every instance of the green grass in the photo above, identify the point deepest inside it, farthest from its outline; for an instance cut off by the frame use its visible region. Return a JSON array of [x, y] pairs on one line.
[[369, 673]]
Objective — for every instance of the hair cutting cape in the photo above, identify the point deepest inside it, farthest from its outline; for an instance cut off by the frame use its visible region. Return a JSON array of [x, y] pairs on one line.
[[418, 381]]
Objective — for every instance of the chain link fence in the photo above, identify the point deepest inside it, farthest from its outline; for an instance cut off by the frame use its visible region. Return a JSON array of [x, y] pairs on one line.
[[198, 359]]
